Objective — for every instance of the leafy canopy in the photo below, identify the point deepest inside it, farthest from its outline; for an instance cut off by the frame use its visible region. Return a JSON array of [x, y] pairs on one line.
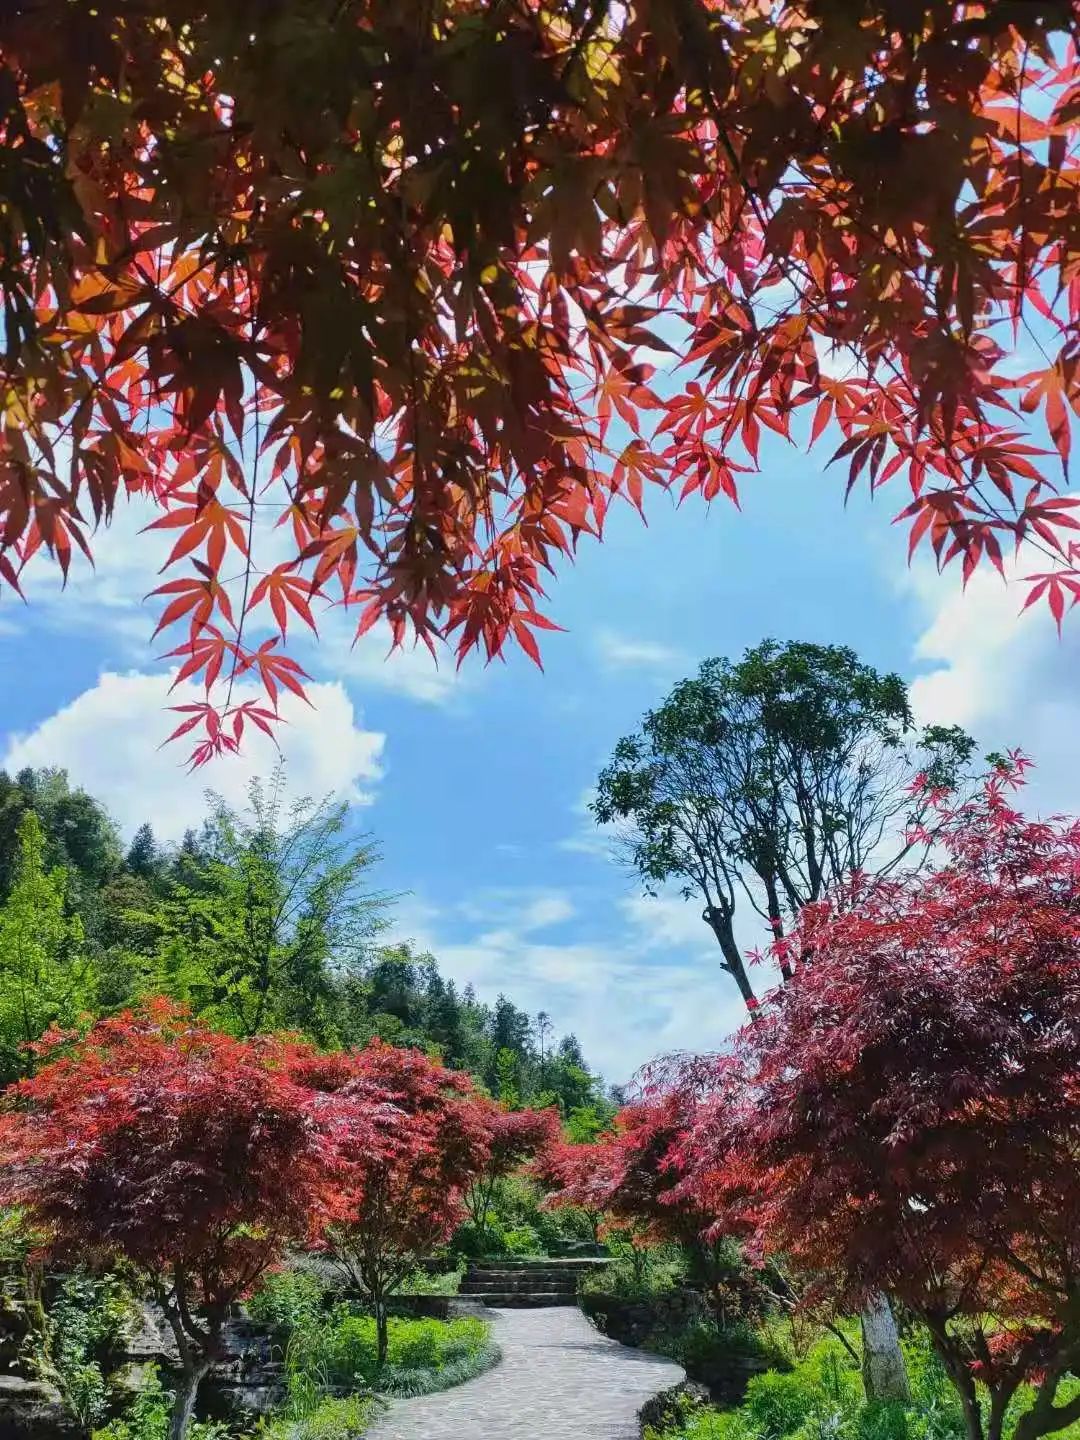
[[903, 1115], [397, 273], [771, 779], [46, 977], [188, 1153], [409, 1137]]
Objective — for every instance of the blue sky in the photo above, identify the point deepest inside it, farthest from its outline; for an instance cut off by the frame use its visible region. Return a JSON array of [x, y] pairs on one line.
[[475, 783]]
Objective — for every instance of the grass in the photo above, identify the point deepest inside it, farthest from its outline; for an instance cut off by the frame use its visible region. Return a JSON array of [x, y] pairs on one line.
[[342, 1418], [335, 1385], [339, 1351]]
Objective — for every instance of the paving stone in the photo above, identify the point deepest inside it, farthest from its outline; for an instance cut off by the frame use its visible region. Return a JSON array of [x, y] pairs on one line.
[[559, 1379]]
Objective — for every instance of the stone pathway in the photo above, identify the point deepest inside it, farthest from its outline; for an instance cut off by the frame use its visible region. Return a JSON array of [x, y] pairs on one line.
[[559, 1379]]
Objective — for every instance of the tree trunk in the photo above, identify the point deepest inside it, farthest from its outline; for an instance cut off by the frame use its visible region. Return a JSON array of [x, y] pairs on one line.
[[382, 1337], [883, 1368], [187, 1390], [999, 1404], [720, 925]]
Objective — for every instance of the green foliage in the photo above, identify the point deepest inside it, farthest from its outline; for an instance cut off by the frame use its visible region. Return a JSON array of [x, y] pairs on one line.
[[84, 1325], [334, 1418], [77, 834], [419, 1282], [45, 974], [587, 1122], [146, 1417], [822, 1398], [517, 1223], [664, 1267], [289, 1300], [775, 775], [16, 1237], [338, 1350], [260, 919], [706, 1348], [264, 916]]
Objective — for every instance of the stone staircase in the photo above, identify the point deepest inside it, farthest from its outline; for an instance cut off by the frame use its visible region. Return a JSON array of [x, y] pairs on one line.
[[526, 1283]]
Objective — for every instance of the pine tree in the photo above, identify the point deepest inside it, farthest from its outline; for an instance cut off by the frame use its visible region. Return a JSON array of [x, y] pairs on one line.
[[144, 856]]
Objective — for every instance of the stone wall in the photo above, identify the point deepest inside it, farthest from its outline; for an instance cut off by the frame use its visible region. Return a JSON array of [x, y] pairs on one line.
[[638, 1323]]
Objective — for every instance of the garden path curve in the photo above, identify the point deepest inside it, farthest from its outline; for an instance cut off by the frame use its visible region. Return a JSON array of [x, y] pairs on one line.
[[559, 1379]]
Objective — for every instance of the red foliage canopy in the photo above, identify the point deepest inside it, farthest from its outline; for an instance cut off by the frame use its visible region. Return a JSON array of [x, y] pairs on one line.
[[905, 1114], [391, 269], [158, 1140], [189, 1153], [514, 1137], [409, 1136], [632, 1176]]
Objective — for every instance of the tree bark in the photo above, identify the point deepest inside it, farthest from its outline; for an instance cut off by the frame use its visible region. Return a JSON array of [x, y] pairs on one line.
[[382, 1336], [884, 1372], [187, 1390], [734, 964]]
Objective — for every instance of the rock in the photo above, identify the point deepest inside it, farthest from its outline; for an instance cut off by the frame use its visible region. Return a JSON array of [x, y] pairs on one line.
[[34, 1410], [665, 1410]]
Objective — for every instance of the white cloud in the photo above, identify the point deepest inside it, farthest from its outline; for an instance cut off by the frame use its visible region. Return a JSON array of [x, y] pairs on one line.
[[517, 909], [1001, 673], [625, 1000], [410, 670], [623, 652], [108, 738]]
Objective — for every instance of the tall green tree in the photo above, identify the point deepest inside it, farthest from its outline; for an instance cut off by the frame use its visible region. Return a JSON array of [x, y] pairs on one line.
[[45, 975], [270, 914], [761, 783]]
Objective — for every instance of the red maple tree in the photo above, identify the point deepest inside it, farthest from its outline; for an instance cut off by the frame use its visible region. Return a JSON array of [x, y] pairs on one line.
[[514, 1137], [190, 1154], [904, 1115], [409, 1138], [391, 270], [632, 1181]]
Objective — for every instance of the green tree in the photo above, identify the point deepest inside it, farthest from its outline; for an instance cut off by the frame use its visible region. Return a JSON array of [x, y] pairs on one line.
[[766, 781], [144, 857], [268, 915], [45, 976], [77, 832]]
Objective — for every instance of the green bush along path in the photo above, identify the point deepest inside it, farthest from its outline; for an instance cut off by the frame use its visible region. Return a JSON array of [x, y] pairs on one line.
[[559, 1379]]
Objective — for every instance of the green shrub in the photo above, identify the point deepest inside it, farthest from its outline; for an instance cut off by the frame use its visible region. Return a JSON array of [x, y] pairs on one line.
[[147, 1417], [664, 1269], [523, 1240], [339, 1352], [288, 1300], [470, 1241], [332, 1419], [821, 1398], [778, 1404], [447, 1282], [83, 1327]]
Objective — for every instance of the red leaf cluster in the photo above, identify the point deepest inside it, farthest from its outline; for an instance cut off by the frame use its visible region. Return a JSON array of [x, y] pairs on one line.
[[397, 272], [904, 1114], [408, 1138], [183, 1150], [632, 1176]]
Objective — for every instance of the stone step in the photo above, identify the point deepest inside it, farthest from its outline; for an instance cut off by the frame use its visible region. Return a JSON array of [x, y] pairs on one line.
[[497, 1288], [572, 1265], [524, 1277], [527, 1299]]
